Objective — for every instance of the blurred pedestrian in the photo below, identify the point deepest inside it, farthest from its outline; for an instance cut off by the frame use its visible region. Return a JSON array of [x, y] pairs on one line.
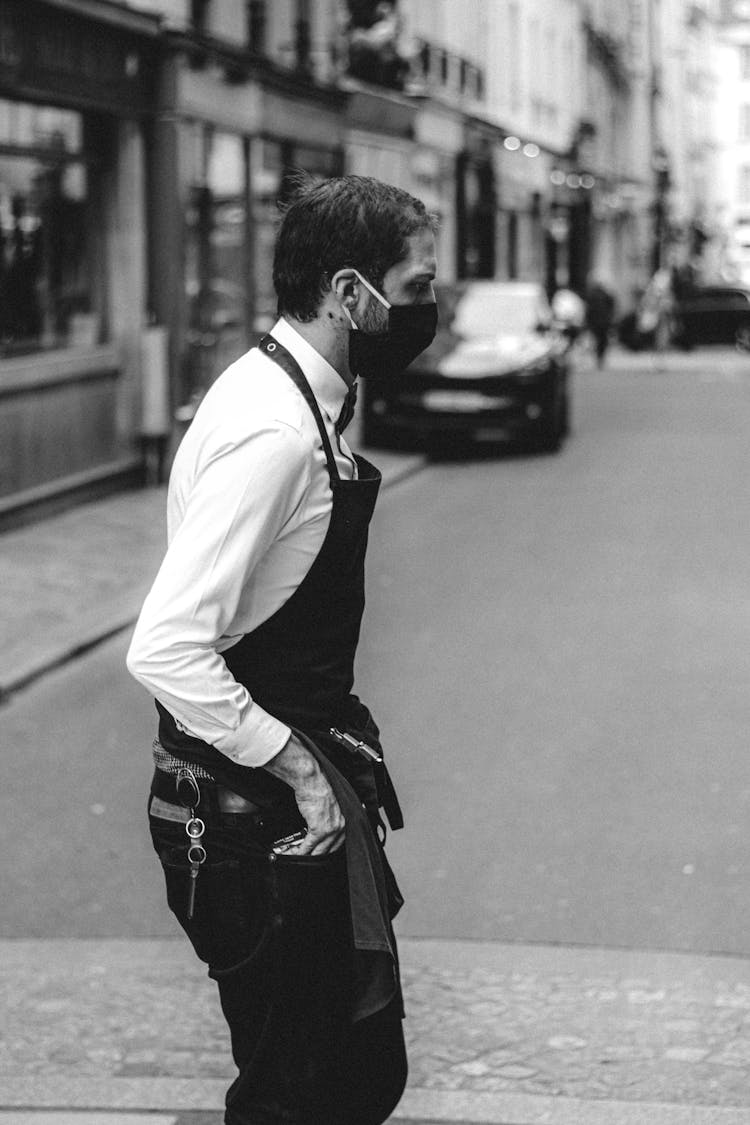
[[600, 316], [247, 640], [656, 311]]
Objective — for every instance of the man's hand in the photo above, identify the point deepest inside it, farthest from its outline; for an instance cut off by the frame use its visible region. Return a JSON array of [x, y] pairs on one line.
[[315, 799]]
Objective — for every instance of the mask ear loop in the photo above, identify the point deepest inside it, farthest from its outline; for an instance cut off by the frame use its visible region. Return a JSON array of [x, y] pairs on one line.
[[372, 289]]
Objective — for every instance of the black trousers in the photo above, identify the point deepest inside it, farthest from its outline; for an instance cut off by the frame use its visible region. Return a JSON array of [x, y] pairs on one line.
[[276, 936]]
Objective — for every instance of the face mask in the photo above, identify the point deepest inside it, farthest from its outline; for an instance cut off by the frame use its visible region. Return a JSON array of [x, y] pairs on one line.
[[411, 329]]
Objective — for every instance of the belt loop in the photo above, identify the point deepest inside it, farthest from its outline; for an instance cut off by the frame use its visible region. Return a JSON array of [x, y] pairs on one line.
[[209, 798]]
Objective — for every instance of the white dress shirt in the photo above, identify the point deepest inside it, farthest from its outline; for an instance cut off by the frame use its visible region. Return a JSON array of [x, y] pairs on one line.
[[248, 508]]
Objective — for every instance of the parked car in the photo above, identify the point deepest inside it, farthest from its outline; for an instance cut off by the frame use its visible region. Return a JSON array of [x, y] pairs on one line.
[[498, 368], [713, 314]]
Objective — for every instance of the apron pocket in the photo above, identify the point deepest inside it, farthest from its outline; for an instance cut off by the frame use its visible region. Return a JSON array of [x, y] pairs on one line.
[[310, 893], [313, 930]]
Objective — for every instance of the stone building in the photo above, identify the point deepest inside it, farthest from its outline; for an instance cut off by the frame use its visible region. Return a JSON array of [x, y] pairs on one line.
[[76, 92], [732, 257], [144, 147]]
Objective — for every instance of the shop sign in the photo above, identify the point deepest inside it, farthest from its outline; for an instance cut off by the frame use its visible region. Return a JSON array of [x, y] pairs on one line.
[[57, 55]]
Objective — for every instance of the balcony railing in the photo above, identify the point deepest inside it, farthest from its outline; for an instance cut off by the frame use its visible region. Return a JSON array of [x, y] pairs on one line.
[[433, 68]]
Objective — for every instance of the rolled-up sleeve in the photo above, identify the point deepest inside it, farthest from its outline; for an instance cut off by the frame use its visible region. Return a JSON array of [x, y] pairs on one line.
[[239, 502]]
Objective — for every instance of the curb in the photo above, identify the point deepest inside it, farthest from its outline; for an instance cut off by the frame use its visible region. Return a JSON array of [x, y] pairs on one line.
[[158, 1095]]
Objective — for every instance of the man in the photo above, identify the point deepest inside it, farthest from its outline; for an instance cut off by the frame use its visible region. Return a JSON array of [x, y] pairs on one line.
[[600, 316], [265, 804]]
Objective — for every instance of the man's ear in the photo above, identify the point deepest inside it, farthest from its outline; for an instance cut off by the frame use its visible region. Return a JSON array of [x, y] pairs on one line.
[[345, 287]]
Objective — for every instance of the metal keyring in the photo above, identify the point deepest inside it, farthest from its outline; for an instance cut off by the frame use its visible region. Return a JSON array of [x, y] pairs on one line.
[[196, 854], [195, 828]]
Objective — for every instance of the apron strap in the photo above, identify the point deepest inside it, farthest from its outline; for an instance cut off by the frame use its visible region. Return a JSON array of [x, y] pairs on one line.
[[279, 354]]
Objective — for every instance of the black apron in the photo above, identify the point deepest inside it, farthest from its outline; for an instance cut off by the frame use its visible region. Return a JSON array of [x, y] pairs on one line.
[[299, 666]]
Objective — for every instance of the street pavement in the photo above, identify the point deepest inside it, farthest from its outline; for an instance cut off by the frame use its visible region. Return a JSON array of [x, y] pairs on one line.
[[128, 1032]]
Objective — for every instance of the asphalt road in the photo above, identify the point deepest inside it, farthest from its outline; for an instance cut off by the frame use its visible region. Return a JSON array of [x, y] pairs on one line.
[[558, 652]]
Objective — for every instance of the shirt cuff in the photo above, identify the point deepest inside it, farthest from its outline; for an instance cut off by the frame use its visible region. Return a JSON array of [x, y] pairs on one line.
[[258, 738]]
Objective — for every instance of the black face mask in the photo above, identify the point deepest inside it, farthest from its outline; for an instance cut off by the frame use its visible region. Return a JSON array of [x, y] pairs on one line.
[[411, 329]]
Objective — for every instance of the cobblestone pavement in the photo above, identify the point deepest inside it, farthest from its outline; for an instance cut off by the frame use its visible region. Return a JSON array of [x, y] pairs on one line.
[[135, 1025]]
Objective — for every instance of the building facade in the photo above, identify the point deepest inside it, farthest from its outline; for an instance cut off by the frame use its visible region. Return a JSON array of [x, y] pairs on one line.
[[685, 115], [75, 96], [145, 146], [734, 142]]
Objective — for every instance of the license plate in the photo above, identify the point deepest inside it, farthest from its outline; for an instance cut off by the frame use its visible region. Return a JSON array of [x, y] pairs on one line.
[[463, 402]]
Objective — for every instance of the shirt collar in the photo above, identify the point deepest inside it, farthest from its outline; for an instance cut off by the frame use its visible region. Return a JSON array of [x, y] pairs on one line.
[[329, 388]]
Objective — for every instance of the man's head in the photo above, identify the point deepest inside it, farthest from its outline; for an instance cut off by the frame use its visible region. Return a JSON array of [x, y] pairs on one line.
[[352, 225]]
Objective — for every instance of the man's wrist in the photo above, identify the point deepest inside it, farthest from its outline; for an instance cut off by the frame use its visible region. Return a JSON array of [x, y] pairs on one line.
[[294, 763]]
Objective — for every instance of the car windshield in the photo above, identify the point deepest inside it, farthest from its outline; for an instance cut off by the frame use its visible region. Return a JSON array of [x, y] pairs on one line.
[[486, 311]]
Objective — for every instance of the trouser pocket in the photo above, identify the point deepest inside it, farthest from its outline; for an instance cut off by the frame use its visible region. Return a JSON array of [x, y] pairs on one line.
[[230, 915]]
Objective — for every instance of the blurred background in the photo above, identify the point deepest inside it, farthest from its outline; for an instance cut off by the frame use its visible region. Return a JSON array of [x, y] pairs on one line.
[[557, 639], [144, 147]]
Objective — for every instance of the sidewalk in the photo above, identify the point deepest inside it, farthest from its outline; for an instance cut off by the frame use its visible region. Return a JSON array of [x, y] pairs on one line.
[[501, 1034], [75, 579], [719, 361]]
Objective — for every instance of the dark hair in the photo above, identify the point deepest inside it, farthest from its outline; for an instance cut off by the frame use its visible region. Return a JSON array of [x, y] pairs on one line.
[[347, 221]]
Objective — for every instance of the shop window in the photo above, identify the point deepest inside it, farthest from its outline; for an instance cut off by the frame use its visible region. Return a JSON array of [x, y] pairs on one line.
[[50, 237], [216, 257]]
